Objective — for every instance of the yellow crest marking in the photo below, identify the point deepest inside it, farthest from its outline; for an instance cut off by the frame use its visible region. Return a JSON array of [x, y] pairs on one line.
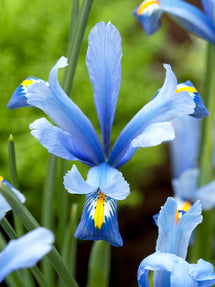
[[26, 83], [187, 89], [99, 211], [146, 4], [1, 178], [186, 206]]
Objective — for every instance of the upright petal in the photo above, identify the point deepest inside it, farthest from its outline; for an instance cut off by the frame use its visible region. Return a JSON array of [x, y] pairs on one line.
[[164, 107], [99, 220], [4, 206], [26, 251], [54, 102], [149, 13], [184, 149], [103, 61]]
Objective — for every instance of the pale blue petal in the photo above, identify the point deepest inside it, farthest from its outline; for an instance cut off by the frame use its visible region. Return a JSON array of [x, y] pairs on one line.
[[26, 251], [184, 148], [190, 18], [164, 107], [103, 62], [4, 206], [203, 272], [54, 102], [149, 14], [58, 142], [153, 135], [186, 185], [206, 195], [109, 180], [74, 183], [88, 228], [186, 224]]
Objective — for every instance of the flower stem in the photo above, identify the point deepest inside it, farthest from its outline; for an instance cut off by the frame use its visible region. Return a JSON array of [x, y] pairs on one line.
[[203, 235], [30, 223], [99, 264]]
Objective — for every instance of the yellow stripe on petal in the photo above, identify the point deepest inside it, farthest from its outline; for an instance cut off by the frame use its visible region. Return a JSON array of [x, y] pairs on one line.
[[1, 178], [145, 5], [187, 89], [99, 211], [26, 83], [186, 206]]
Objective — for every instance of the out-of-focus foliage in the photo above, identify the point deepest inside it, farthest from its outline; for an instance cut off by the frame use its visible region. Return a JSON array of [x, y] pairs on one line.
[[33, 35]]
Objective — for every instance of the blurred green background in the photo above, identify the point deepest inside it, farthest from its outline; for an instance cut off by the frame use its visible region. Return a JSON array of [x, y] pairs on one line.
[[34, 36]]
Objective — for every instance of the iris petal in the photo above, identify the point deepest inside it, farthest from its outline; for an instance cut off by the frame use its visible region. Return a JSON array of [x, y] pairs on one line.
[[61, 109], [203, 271], [184, 148], [58, 142], [153, 135], [209, 7], [103, 61], [149, 13], [99, 220], [164, 107], [26, 251], [206, 195], [4, 206]]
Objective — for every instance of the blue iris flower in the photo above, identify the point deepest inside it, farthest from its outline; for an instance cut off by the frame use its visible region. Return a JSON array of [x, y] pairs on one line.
[[184, 158], [201, 23], [74, 137], [168, 262], [25, 251]]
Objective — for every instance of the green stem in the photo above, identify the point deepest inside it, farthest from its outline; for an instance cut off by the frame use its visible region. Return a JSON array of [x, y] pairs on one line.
[[48, 210], [74, 17], [30, 223], [204, 232], [75, 44], [99, 264]]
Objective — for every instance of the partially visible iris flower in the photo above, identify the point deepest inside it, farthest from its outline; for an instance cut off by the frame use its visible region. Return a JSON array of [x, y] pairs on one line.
[[184, 161], [201, 23], [25, 251], [4, 206], [75, 138], [168, 262]]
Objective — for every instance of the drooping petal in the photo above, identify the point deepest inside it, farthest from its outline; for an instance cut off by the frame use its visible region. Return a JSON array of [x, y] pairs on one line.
[[185, 14], [186, 185], [4, 206], [176, 268], [74, 183], [206, 195], [54, 102], [58, 142], [153, 135], [164, 107], [109, 180], [149, 13], [103, 61], [99, 220], [203, 272], [26, 251], [184, 148], [200, 109]]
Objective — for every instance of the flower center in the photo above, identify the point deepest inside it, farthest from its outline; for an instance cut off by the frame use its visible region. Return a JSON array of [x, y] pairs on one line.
[[99, 211], [179, 212]]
